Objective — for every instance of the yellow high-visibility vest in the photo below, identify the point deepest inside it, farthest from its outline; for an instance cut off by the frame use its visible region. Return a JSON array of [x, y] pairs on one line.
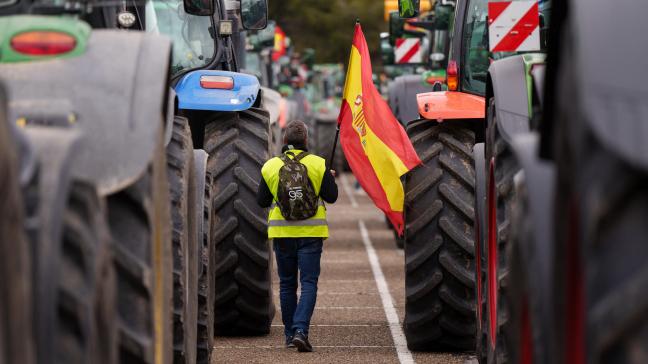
[[278, 227]]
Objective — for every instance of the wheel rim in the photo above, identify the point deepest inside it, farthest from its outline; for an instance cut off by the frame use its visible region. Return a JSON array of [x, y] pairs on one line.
[[492, 256]]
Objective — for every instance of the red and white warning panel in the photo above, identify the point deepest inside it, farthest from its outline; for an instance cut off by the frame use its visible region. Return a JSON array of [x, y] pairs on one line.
[[513, 26], [408, 50]]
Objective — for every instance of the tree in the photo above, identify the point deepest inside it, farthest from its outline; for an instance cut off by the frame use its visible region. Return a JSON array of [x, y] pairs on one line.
[[327, 25]]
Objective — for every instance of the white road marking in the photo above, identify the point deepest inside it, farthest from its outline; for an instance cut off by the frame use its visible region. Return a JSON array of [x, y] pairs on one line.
[[404, 355], [347, 191]]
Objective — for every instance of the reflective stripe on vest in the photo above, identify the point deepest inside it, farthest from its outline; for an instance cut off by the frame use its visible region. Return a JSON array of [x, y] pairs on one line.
[[309, 222], [278, 227]]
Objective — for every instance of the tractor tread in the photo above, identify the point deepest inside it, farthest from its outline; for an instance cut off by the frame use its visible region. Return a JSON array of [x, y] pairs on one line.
[[439, 217], [238, 145]]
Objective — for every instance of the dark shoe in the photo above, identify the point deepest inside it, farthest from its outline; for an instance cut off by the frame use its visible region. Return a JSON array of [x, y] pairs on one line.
[[301, 342], [289, 343]]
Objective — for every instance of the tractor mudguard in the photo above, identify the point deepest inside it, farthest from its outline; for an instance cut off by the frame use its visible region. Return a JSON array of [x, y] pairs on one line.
[[609, 83], [192, 96], [538, 75], [200, 171], [537, 176], [271, 100], [170, 116], [448, 105], [508, 81], [480, 195], [405, 89], [115, 93]]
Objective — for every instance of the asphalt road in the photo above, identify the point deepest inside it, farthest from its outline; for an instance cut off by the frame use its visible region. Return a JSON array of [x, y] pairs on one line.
[[360, 306]]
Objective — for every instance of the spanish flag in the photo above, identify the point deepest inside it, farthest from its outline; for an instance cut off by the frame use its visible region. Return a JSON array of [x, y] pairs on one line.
[[279, 44], [376, 146]]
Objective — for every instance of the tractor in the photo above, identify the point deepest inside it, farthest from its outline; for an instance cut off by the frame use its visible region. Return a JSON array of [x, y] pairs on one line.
[[258, 62], [507, 87], [325, 91], [96, 150], [439, 212], [89, 113], [512, 109], [229, 127], [16, 331], [577, 257]]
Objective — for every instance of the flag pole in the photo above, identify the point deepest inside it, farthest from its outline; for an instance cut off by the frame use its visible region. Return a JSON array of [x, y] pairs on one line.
[[335, 142], [337, 131]]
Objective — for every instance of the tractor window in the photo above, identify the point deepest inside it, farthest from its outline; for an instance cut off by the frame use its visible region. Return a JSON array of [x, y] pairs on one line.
[[475, 48], [193, 45]]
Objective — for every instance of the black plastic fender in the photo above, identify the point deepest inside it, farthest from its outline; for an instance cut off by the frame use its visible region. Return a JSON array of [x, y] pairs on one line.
[[608, 87], [508, 84], [170, 115], [200, 172], [404, 90], [480, 240], [537, 178], [115, 94], [480, 196]]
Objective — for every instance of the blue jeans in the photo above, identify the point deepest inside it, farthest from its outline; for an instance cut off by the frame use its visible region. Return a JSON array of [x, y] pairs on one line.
[[297, 255]]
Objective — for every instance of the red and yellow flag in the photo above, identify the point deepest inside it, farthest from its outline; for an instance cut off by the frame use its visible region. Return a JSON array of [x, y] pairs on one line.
[[377, 148], [279, 44]]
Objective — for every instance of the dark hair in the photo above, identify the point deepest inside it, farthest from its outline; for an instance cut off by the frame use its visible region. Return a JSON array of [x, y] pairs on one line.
[[296, 133]]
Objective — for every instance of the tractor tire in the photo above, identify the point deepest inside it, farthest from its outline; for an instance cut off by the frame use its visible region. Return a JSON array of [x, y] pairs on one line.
[[439, 247], [139, 219], [500, 167], [325, 131], [523, 343], [86, 330], [16, 340], [206, 278], [74, 281], [180, 170], [481, 340], [601, 256], [238, 146]]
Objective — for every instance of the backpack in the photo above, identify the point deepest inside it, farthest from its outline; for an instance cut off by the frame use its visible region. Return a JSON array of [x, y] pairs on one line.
[[296, 196]]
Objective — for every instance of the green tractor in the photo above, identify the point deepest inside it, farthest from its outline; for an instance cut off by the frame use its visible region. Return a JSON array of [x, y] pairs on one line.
[[95, 195]]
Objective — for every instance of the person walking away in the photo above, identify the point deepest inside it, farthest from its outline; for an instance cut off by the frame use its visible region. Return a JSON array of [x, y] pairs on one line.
[[295, 186]]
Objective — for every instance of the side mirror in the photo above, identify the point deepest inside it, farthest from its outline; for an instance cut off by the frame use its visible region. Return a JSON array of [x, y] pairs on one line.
[[254, 14], [199, 7], [408, 8]]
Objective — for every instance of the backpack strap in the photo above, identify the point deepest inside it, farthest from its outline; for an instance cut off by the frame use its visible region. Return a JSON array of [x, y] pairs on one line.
[[284, 158], [301, 156]]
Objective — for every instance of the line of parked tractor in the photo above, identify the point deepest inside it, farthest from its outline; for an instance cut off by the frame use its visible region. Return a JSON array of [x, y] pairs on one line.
[[132, 137], [524, 239], [129, 165]]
